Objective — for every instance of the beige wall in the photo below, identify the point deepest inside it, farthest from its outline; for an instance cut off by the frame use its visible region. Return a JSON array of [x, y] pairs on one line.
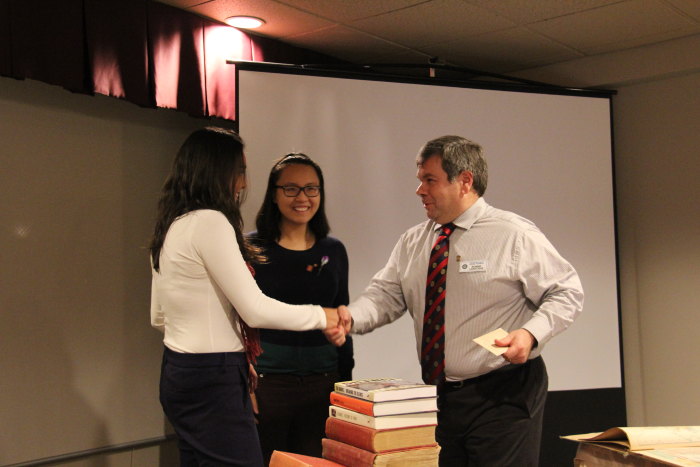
[[658, 166], [79, 181], [163, 455], [657, 163]]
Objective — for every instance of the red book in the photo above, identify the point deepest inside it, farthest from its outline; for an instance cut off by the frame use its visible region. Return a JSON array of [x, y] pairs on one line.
[[290, 459], [373, 440], [425, 404], [346, 454]]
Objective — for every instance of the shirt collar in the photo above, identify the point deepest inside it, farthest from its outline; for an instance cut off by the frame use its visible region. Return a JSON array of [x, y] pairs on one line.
[[468, 217]]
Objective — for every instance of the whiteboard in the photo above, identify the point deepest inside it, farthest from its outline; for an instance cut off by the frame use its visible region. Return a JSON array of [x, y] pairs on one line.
[[550, 160]]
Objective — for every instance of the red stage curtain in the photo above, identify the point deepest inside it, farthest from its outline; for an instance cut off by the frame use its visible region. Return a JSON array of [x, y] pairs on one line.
[[223, 43], [143, 51], [176, 50], [47, 39], [5, 50], [117, 50]]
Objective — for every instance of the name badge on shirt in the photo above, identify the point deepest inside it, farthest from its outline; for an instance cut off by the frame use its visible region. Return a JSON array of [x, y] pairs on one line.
[[472, 266]]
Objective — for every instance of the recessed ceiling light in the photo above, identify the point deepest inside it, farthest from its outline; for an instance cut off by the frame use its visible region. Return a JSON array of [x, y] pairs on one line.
[[245, 22]]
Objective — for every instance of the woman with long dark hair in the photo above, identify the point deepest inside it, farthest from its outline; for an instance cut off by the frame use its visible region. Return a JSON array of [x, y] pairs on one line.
[[206, 302], [297, 370]]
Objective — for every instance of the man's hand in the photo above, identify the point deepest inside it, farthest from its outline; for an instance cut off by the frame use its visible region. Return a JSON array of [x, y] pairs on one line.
[[519, 343], [345, 318]]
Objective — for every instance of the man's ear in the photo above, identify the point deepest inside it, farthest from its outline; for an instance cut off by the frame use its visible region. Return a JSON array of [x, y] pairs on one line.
[[466, 178]]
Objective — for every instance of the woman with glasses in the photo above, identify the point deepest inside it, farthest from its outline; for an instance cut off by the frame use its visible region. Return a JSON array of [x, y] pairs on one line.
[[204, 299], [297, 370]]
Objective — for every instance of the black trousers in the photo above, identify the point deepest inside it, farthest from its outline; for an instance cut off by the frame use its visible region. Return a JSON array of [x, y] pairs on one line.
[[206, 400], [293, 412], [494, 420]]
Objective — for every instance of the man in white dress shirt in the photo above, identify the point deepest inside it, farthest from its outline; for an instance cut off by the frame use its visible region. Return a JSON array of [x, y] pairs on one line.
[[502, 273]]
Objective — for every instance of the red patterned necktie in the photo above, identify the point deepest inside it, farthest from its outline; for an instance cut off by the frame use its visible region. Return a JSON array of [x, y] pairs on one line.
[[432, 357]]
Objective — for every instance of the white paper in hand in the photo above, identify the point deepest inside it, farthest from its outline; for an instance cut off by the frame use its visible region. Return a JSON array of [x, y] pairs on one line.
[[486, 341]]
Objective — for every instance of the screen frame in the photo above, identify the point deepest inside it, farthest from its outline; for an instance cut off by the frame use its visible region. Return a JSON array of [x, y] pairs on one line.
[[312, 71]]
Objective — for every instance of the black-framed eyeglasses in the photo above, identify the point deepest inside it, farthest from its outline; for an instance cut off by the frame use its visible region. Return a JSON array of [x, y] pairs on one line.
[[292, 191]]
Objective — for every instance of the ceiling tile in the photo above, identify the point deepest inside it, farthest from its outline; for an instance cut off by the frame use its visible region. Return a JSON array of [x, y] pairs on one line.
[[688, 7], [343, 11], [432, 22], [493, 35], [347, 44], [505, 50], [182, 4], [529, 11], [403, 56], [612, 27]]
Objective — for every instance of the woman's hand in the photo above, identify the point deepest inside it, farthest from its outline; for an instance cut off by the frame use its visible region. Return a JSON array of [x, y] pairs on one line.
[[252, 386], [256, 412], [335, 332]]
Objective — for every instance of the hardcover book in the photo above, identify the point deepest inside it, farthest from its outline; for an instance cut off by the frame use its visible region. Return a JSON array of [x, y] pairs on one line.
[[671, 445], [425, 404], [346, 454], [385, 389], [373, 440], [385, 421], [646, 437], [290, 459]]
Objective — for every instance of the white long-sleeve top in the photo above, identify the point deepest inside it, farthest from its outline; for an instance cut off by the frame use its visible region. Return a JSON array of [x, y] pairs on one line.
[[203, 285]]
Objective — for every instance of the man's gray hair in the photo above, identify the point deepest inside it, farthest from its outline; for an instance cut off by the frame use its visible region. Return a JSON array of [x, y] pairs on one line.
[[458, 154]]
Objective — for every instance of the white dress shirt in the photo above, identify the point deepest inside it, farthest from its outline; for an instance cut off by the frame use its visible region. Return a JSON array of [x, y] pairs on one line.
[[502, 272], [203, 282]]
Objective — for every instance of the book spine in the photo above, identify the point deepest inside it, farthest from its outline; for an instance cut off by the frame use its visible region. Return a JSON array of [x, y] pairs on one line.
[[350, 433], [366, 395], [352, 417], [346, 454], [352, 403]]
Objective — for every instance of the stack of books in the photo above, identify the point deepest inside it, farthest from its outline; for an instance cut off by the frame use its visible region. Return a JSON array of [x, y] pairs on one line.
[[382, 422]]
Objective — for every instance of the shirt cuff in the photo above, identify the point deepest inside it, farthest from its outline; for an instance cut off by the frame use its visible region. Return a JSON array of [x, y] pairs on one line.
[[540, 328]]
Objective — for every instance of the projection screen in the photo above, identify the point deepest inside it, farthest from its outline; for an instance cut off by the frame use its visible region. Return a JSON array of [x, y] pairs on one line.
[[550, 160]]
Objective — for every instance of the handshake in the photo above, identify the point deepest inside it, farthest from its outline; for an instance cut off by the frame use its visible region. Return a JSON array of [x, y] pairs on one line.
[[338, 324]]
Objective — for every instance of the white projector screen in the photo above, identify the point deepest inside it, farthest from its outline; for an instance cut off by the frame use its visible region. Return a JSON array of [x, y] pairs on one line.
[[550, 160]]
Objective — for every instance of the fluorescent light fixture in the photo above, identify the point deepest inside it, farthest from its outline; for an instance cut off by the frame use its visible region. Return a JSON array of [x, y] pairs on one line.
[[245, 22]]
